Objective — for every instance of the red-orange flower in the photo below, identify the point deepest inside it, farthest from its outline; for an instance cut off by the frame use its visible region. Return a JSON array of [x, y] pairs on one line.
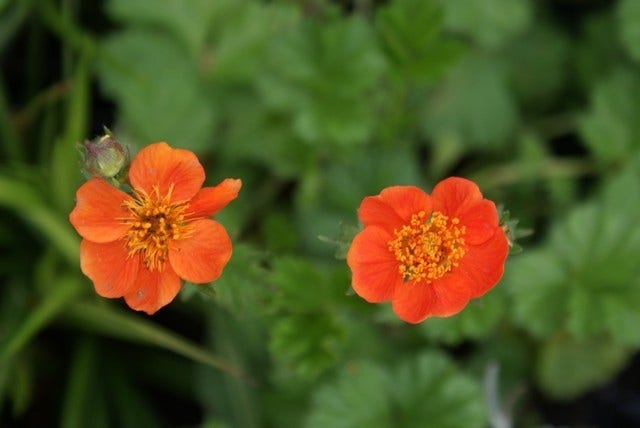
[[428, 254], [140, 246]]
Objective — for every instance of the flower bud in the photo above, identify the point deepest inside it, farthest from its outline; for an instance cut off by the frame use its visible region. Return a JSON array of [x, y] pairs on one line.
[[105, 157]]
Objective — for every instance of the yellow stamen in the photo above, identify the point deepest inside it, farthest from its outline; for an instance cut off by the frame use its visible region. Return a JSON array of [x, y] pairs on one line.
[[154, 221], [427, 248]]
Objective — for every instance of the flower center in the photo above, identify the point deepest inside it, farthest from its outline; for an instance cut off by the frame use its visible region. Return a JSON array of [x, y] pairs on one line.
[[154, 222], [428, 247]]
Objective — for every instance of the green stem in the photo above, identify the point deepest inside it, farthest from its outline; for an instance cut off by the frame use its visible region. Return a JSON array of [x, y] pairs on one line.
[[514, 172], [105, 320]]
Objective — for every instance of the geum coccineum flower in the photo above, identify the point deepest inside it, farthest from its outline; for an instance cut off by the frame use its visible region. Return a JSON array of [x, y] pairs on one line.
[[141, 246], [428, 254]]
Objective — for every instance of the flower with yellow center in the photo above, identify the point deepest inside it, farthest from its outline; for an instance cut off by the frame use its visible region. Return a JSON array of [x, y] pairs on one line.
[[142, 246], [428, 248], [428, 254]]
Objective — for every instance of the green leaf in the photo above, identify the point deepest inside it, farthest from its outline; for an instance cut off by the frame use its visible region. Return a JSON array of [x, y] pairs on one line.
[[410, 34], [52, 305], [611, 129], [189, 21], [308, 344], [367, 394], [568, 368], [308, 334], [536, 283], [29, 204], [158, 89], [538, 64], [359, 398], [304, 287], [459, 106], [598, 50], [243, 288], [478, 320], [491, 23], [77, 397], [323, 76], [628, 19], [585, 279]]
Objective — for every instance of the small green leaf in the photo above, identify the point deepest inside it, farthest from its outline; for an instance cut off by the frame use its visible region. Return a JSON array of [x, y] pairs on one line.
[[243, 287], [611, 129], [425, 391], [188, 21], [323, 75], [536, 283], [628, 18], [538, 64], [459, 106], [410, 34], [586, 278], [304, 287], [491, 23], [308, 344], [359, 398], [476, 321], [568, 368], [139, 70]]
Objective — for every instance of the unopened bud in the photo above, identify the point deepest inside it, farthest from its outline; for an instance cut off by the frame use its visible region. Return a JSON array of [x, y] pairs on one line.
[[105, 157]]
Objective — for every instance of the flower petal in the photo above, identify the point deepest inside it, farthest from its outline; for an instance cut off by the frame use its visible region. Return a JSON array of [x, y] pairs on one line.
[[454, 196], [210, 200], [163, 166], [413, 301], [480, 222], [99, 206], [393, 206], [483, 265], [452, 293], [153, 289], [112, 271], [374, 269], [443, 297], [201, 257]]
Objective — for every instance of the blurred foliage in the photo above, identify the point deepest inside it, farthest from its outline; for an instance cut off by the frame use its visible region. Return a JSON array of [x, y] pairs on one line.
[[316, 104]]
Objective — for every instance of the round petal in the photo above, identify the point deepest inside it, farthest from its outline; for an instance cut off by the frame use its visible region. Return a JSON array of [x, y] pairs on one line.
[[483, 265], [413, 301], [374, 268], [454, 196], [201, 257], [393, 207], [480, 222], [162, 166], [210, 200], [443, 297], [98, 211], [153, 289], [112, 271]]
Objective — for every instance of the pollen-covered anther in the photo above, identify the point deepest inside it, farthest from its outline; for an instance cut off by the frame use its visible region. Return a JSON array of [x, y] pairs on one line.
[[428, 247], [154, 221]]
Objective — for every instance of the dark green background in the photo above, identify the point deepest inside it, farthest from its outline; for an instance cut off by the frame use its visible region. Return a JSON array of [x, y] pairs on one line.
[[314, 105]]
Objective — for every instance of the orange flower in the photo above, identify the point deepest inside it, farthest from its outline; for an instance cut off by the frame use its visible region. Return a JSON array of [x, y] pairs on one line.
[[141, 246], [429, 255]]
